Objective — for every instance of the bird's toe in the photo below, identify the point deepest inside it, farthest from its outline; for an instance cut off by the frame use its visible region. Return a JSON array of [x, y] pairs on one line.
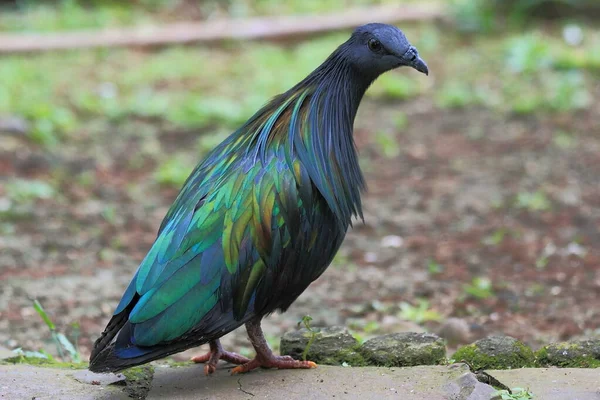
[[201, 358], [209, 369]]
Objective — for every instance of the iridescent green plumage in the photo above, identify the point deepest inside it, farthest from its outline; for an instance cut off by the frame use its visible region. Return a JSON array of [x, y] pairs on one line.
[[255, 223]]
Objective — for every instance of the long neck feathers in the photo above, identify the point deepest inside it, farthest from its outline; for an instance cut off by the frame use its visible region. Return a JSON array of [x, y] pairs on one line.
[[324, 141], [313, 123]]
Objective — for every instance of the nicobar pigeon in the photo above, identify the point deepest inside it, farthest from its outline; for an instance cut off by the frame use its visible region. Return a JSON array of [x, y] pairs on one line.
[[258, 220]]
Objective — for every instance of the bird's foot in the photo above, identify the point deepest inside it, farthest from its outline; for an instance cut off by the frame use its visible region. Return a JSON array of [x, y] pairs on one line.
[[215, 354], [272, 361]]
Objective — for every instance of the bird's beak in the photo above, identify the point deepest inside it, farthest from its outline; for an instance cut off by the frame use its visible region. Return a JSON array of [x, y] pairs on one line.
[[412, 59], [420, 65]]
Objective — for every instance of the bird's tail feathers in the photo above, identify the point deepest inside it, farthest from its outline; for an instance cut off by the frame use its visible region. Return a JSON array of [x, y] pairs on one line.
[[121, 354]]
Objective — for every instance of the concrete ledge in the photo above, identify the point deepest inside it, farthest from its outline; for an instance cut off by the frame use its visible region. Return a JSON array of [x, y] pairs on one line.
[[454, 382]]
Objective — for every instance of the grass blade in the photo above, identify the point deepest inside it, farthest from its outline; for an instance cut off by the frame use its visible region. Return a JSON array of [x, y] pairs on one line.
[[40, 310], [68, 346]]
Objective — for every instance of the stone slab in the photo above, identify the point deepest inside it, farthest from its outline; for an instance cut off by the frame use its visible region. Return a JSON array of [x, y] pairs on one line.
[[324, 382], [412, 383], [554, 383], [28, 382]]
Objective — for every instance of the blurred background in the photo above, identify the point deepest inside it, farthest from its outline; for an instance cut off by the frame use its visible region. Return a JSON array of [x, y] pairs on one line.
[[483, 207]]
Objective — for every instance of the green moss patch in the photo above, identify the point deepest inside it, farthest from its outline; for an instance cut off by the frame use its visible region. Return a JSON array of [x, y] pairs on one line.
[[351, 357], [331, 346], [496, 352], [574, 354], [404, 350], [138, 381], [43, 362]]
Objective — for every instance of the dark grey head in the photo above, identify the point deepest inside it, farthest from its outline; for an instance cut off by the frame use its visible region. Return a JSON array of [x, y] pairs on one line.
[[377, 48]]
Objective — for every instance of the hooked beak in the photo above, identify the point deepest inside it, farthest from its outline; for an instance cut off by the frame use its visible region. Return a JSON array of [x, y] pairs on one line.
[[412, 59]]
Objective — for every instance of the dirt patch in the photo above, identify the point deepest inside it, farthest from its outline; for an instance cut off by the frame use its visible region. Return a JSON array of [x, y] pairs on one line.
[[480, 194]]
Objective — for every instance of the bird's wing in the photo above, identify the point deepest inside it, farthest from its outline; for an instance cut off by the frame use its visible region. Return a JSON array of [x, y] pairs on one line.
[[228, 248], [217, 244]]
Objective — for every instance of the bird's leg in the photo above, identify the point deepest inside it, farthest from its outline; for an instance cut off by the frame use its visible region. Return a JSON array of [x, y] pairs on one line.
[[215, 354], [264, 356]]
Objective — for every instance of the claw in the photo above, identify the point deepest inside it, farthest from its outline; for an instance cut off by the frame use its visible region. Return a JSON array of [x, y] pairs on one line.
[[215, 354], [209, 369], [201, 358], [284, 362]]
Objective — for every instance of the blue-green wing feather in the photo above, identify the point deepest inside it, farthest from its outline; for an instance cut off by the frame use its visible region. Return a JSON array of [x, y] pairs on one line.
[[239, 241]]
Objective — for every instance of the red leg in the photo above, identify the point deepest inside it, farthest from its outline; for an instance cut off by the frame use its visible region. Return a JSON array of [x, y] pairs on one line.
[[215, 354], [264, 356]]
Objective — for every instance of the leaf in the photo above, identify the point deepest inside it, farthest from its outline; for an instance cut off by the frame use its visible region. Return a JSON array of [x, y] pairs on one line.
[[306, 321], [30, 354], [40, 310], [69, 347]]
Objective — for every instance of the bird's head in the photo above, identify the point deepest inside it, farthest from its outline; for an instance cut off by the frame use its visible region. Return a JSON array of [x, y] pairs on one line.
[[377, 48]]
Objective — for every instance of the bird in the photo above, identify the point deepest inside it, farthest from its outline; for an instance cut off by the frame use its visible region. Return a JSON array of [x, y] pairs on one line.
[[258, 220]]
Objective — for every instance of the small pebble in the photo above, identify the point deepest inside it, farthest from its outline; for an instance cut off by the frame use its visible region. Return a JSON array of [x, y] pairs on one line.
[[392, 241]]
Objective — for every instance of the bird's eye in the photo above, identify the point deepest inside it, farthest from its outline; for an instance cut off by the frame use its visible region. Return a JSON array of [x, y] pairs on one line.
[[374, 45]]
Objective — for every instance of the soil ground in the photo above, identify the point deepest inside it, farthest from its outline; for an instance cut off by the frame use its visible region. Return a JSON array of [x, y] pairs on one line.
[[444, 195], [478, 220]]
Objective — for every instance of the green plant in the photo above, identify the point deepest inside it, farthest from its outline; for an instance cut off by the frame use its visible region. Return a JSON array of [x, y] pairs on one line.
[[62, 343], [371, 327], [27, 191], [393, 86], [514, 394], [400, 121], [479, 288], [387, 144], [564, 140], [420, 313], [313, 334], [567, 91], [434, 268], [473, 15], [208, 142], [496, 238], [456, 94], [173, 172], [533, 201], [541, 262], [109, 213], [528, 53]]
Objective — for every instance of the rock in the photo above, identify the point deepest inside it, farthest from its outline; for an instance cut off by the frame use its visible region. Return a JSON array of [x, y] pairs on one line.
[[553, 383], [331, 346], [22, 381], [466, 386], [455, 331], [13, 124], [325, 382], [404, 349], [576, 354], [496, 352]]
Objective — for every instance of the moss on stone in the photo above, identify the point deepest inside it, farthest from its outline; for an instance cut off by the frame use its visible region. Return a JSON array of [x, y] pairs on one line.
[[404, 350], [138, 381], [43, 362], [574, 354], [178, 364], [351, 356], [496, 352], [331, 346]]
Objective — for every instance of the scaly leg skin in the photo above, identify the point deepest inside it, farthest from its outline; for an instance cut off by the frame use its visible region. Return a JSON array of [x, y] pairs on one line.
[[264, 356], [215, 354]]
